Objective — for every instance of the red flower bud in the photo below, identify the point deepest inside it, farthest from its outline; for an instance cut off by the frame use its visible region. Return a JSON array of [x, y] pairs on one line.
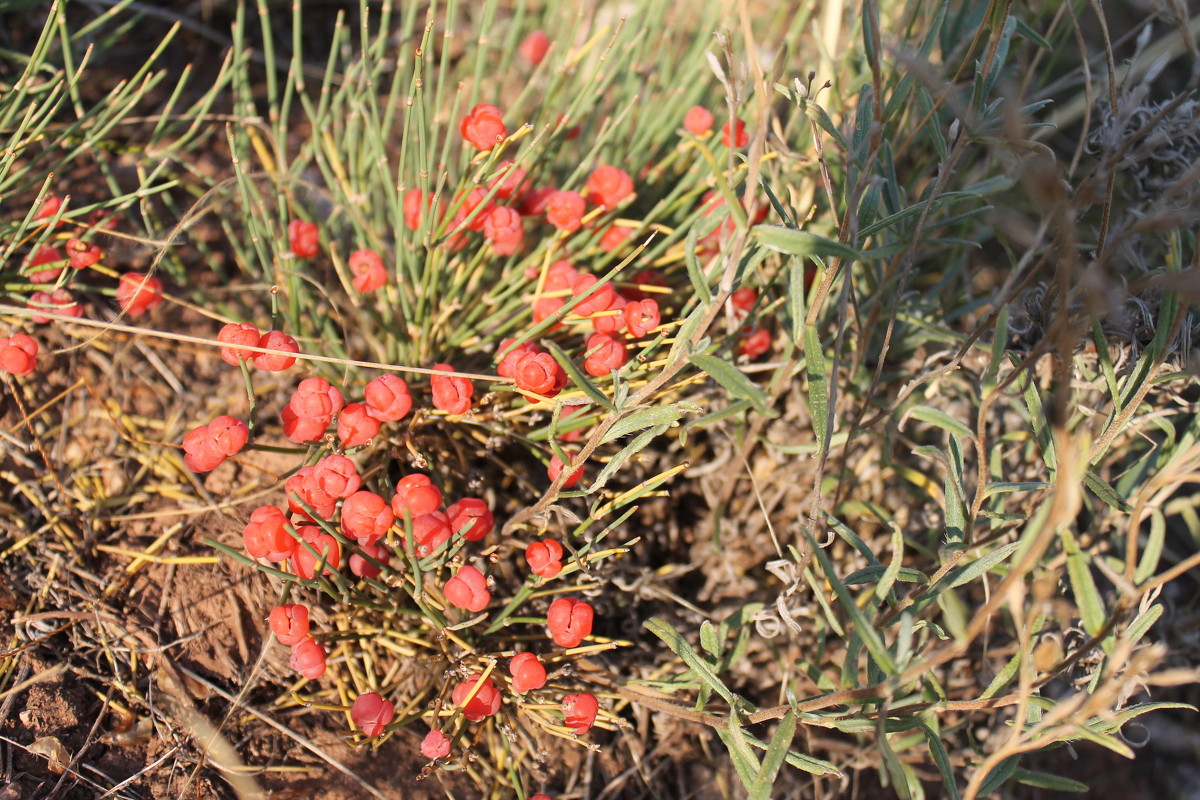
[[304, 561], [612, 319], [236, 333], [468, 590], [540, 373], [564, 210], [289, 623], [308, 658], [315, 398], [416, 495], [615, 238], [509, 181], [50, 205], [276, 362], [368, 270], [205, 447], [698, 120], [486, 701], [476, 199], [266, 536], [356, 426], [366, 517], [569, 621], [435, 745], [483, 127], [451, 394], [535, 201], [527, 672], [508, 364], [755, 343], [743, 299], [555, 469], [601, 299], [414, 207], [604, 354], [430, 532], [304, 238], [336, 476], [59, 302], [18, 354], [138, 293], [303, 429], [544, 558], [533, 47], [580, 711], [642, 316], [372, 713], [387, 398], [502, 228], [607, 186], [48, 255], [473, 515], [363, 568], [740, 138], [304, 483]]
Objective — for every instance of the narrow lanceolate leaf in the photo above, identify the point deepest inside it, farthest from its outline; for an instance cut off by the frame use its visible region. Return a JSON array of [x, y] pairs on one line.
[[578, 378], [818, 393], [962, 575], [776, 752], [941, 419], [942, 759], [735, 382], [635, 446], [1083, 585], [660, 628], [641, 419], [802, 243], [1104, 491]]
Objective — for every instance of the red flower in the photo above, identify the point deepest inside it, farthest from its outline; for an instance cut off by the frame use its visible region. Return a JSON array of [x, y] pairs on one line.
[[483, 127], [580, 711], [289, 623], [564, 210], [612, 319], [205, 447], [372, 713], [451, 394], [743, 299], [508, 364], [607, 186], [51, 203], [468, 590], [556, 468], [472, 514], [561, 275], [740, 138], [308, 658], [502, 227], [527, 672], [430, 532], [363, 568], [602, 299], [414, 207], [61, 302], [304, 561], [266, 536], [569, 621], [387, 398], [605, 353], [642, 316], [539, 373], [698, 120], [368, 270], [310, 410], [615, 238], [46, 255], [416, 496], [276, 362], [137, 293], [304, 484], [435, 745], [475, 199], [356, 426], [300, 429], [509, 180], [546, 307], [304, 238], [83, 254], [534, 46], [336, 476], [755, 344], [366, 517], [571, 435], [486, 701], [236, 333], [544, 558], [535, 201]]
